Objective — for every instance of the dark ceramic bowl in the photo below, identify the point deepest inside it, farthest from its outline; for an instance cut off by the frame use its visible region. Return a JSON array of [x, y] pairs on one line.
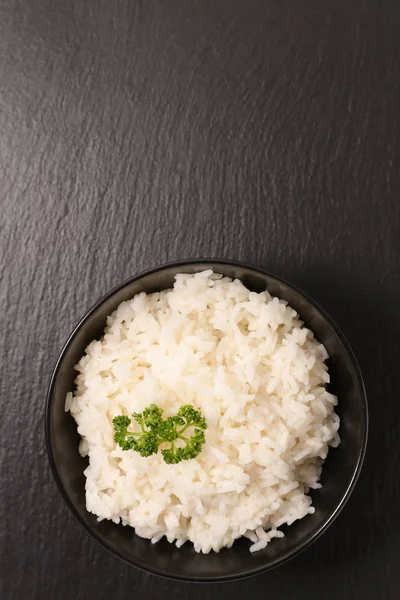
[[340, 471]]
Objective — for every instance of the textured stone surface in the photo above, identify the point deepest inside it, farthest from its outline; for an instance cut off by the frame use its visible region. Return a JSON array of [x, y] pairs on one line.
[[132, 133]]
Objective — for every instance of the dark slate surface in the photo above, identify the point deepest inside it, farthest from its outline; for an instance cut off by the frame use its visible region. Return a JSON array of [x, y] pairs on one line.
[[132, 133]]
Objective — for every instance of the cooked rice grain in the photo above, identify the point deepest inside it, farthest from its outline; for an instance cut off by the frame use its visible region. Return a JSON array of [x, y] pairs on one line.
[[258, 376]]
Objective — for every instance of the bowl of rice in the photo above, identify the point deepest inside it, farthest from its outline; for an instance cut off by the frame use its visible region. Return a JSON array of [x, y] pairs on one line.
[[275, 425]]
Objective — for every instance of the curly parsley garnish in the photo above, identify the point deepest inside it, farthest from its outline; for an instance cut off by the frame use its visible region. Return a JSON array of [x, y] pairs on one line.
[[154, 431]]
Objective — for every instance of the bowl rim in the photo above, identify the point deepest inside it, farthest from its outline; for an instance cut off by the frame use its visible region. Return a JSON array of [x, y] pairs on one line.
[[302, 546]]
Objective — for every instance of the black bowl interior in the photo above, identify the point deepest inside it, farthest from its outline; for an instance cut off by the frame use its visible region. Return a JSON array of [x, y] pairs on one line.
[[340, 470]]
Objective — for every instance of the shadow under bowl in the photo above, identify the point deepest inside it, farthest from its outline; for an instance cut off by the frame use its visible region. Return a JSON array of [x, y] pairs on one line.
[[340, 470]]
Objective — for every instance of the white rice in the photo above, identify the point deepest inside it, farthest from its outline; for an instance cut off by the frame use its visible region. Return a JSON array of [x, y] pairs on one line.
[[257, 375]]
